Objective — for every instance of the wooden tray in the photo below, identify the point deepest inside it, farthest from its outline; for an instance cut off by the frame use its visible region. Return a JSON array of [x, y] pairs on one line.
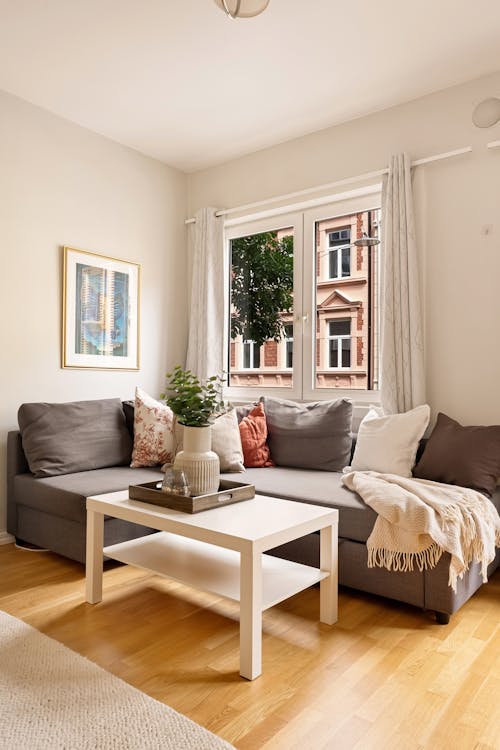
[[229, 492]]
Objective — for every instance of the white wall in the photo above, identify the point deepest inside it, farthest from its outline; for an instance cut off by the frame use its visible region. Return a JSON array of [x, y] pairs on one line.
[[454, 200], [63, 185]]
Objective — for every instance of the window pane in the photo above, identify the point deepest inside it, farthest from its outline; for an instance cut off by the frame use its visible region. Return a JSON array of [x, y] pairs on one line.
[[334, 353], [256, 356], [346, 261], [340, 328], [346, 352], [261, 309], [246, 355], [334, 259], [346, 286]]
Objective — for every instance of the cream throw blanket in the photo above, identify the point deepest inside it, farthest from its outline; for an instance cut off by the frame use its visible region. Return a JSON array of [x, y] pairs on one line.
[[418, 520]]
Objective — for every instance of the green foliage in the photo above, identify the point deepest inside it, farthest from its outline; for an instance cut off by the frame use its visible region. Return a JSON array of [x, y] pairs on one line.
[[194, 403], [261, 286]]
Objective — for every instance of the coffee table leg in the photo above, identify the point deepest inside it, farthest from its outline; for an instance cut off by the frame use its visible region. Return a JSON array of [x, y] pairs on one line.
[[250, 615], [329, 586], [94, 560]]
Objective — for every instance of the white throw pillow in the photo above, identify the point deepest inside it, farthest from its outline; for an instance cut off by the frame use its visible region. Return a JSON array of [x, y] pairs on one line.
[[389, 444], [153, 431]]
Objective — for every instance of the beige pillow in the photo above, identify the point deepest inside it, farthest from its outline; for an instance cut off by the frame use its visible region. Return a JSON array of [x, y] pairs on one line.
[[226, 442], [153, 431]]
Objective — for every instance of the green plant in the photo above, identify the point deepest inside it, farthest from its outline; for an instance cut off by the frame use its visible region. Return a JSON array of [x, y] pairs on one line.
[[193, 402]]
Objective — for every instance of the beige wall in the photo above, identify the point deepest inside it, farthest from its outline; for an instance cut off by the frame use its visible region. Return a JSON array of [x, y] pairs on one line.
[[454, 200], [63, 185]]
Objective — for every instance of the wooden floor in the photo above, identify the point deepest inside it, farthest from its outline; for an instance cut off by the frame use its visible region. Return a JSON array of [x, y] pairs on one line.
[[386, 676]]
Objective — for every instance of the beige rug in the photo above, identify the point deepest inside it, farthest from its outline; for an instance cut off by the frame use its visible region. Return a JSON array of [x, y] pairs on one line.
[[53, 699]]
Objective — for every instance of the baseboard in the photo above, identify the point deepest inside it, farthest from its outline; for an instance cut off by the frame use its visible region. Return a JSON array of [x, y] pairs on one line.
[[6, 538]]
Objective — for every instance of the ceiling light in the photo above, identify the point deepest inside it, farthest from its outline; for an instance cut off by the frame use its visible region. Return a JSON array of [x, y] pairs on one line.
[[242, 8], [487, 113]]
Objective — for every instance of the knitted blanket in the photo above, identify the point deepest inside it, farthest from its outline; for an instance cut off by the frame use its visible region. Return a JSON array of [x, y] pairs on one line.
[[418, 520]]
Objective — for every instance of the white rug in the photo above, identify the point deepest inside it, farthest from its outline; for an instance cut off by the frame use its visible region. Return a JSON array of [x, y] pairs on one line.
[[54, 699]]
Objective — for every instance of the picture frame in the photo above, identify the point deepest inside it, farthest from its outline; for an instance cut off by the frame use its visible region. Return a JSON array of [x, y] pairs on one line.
[[101, 309]]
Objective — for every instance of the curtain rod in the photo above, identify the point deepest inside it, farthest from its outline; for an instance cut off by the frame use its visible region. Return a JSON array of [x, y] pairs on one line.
[[339, 183]]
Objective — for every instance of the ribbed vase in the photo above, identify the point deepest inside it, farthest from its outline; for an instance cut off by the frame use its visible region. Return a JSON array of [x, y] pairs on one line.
[[198, 461]]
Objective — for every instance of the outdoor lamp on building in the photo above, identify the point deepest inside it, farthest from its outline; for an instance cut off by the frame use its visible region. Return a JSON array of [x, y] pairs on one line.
[[365, 241]]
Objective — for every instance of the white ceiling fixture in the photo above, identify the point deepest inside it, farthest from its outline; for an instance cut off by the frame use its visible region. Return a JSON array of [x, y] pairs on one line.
[[486, 113], [242, 8]]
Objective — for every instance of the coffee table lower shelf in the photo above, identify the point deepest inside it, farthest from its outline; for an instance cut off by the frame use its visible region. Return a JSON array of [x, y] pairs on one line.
[[222, 551], [213, 569]]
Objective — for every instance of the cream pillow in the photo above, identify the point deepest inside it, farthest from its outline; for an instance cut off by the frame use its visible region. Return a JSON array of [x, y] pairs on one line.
[[389, 443], [226, 442], [153, 431]]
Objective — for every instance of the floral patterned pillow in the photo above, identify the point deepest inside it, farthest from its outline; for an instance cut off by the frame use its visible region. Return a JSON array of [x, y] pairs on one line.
[[153, 431]]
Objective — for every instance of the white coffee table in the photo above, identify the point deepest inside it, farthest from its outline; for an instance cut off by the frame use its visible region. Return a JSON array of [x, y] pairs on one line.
[[220, 551]]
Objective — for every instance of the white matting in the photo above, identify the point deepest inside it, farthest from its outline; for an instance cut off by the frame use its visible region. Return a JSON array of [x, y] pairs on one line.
[[52, 698]]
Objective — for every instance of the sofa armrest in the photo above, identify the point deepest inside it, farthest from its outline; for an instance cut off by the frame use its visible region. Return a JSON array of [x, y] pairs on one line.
[[16, 464]]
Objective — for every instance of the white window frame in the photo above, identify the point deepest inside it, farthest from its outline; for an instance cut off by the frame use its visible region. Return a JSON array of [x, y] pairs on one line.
[[304, 317], [336, 249], [270, 224]]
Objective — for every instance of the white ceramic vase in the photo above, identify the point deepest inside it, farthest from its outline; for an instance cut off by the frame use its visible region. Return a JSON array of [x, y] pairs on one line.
[[200, 464]]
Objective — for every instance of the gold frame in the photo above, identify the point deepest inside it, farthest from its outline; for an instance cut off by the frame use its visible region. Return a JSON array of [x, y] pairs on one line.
[[66, 355]]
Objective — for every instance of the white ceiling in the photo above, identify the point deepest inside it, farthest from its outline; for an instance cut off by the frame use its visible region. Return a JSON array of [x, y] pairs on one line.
[[179, 81]]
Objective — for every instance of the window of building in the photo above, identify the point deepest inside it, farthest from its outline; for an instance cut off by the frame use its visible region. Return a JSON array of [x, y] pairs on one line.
[[339, 254], [251, 355], [339, 348], [293, 327]]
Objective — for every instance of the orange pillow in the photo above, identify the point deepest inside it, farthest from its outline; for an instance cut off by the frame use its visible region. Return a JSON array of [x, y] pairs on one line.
[[253, 433]]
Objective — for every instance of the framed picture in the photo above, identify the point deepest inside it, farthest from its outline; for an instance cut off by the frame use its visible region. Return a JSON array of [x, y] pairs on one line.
[[100, 311]]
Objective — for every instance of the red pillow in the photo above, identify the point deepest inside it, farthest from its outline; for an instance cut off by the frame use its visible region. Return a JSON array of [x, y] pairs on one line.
[[253, 433]]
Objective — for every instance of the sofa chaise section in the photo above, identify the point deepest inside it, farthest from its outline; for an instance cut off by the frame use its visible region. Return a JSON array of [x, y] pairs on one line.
[[427, 589]]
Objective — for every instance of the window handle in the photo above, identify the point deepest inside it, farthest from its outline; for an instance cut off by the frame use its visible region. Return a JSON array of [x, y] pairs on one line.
[[304, 318]]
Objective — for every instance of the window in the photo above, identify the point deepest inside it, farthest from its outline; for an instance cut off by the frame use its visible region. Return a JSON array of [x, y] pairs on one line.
[[339, 348], [303, 304], [251, 355], [339, 255]]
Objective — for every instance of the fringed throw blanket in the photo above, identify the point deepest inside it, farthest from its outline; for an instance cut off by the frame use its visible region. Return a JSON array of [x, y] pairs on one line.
[[418, 520]]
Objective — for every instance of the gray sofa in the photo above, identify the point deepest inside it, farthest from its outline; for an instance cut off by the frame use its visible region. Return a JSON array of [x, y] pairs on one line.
[[50, 512]]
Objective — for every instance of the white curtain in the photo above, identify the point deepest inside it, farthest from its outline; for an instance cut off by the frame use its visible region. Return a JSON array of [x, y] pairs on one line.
[[402, 381], [206, 318]]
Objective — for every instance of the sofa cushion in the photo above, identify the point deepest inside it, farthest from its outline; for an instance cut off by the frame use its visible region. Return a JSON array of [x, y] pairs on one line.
[[71, 437], [153, 431], [356, 519], [389, 443], [226, 442], [315, 435], [466, 456], [253, 432], [65, 496]]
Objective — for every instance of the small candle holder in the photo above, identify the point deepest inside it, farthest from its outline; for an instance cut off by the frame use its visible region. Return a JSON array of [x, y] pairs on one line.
[[175, 482]]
